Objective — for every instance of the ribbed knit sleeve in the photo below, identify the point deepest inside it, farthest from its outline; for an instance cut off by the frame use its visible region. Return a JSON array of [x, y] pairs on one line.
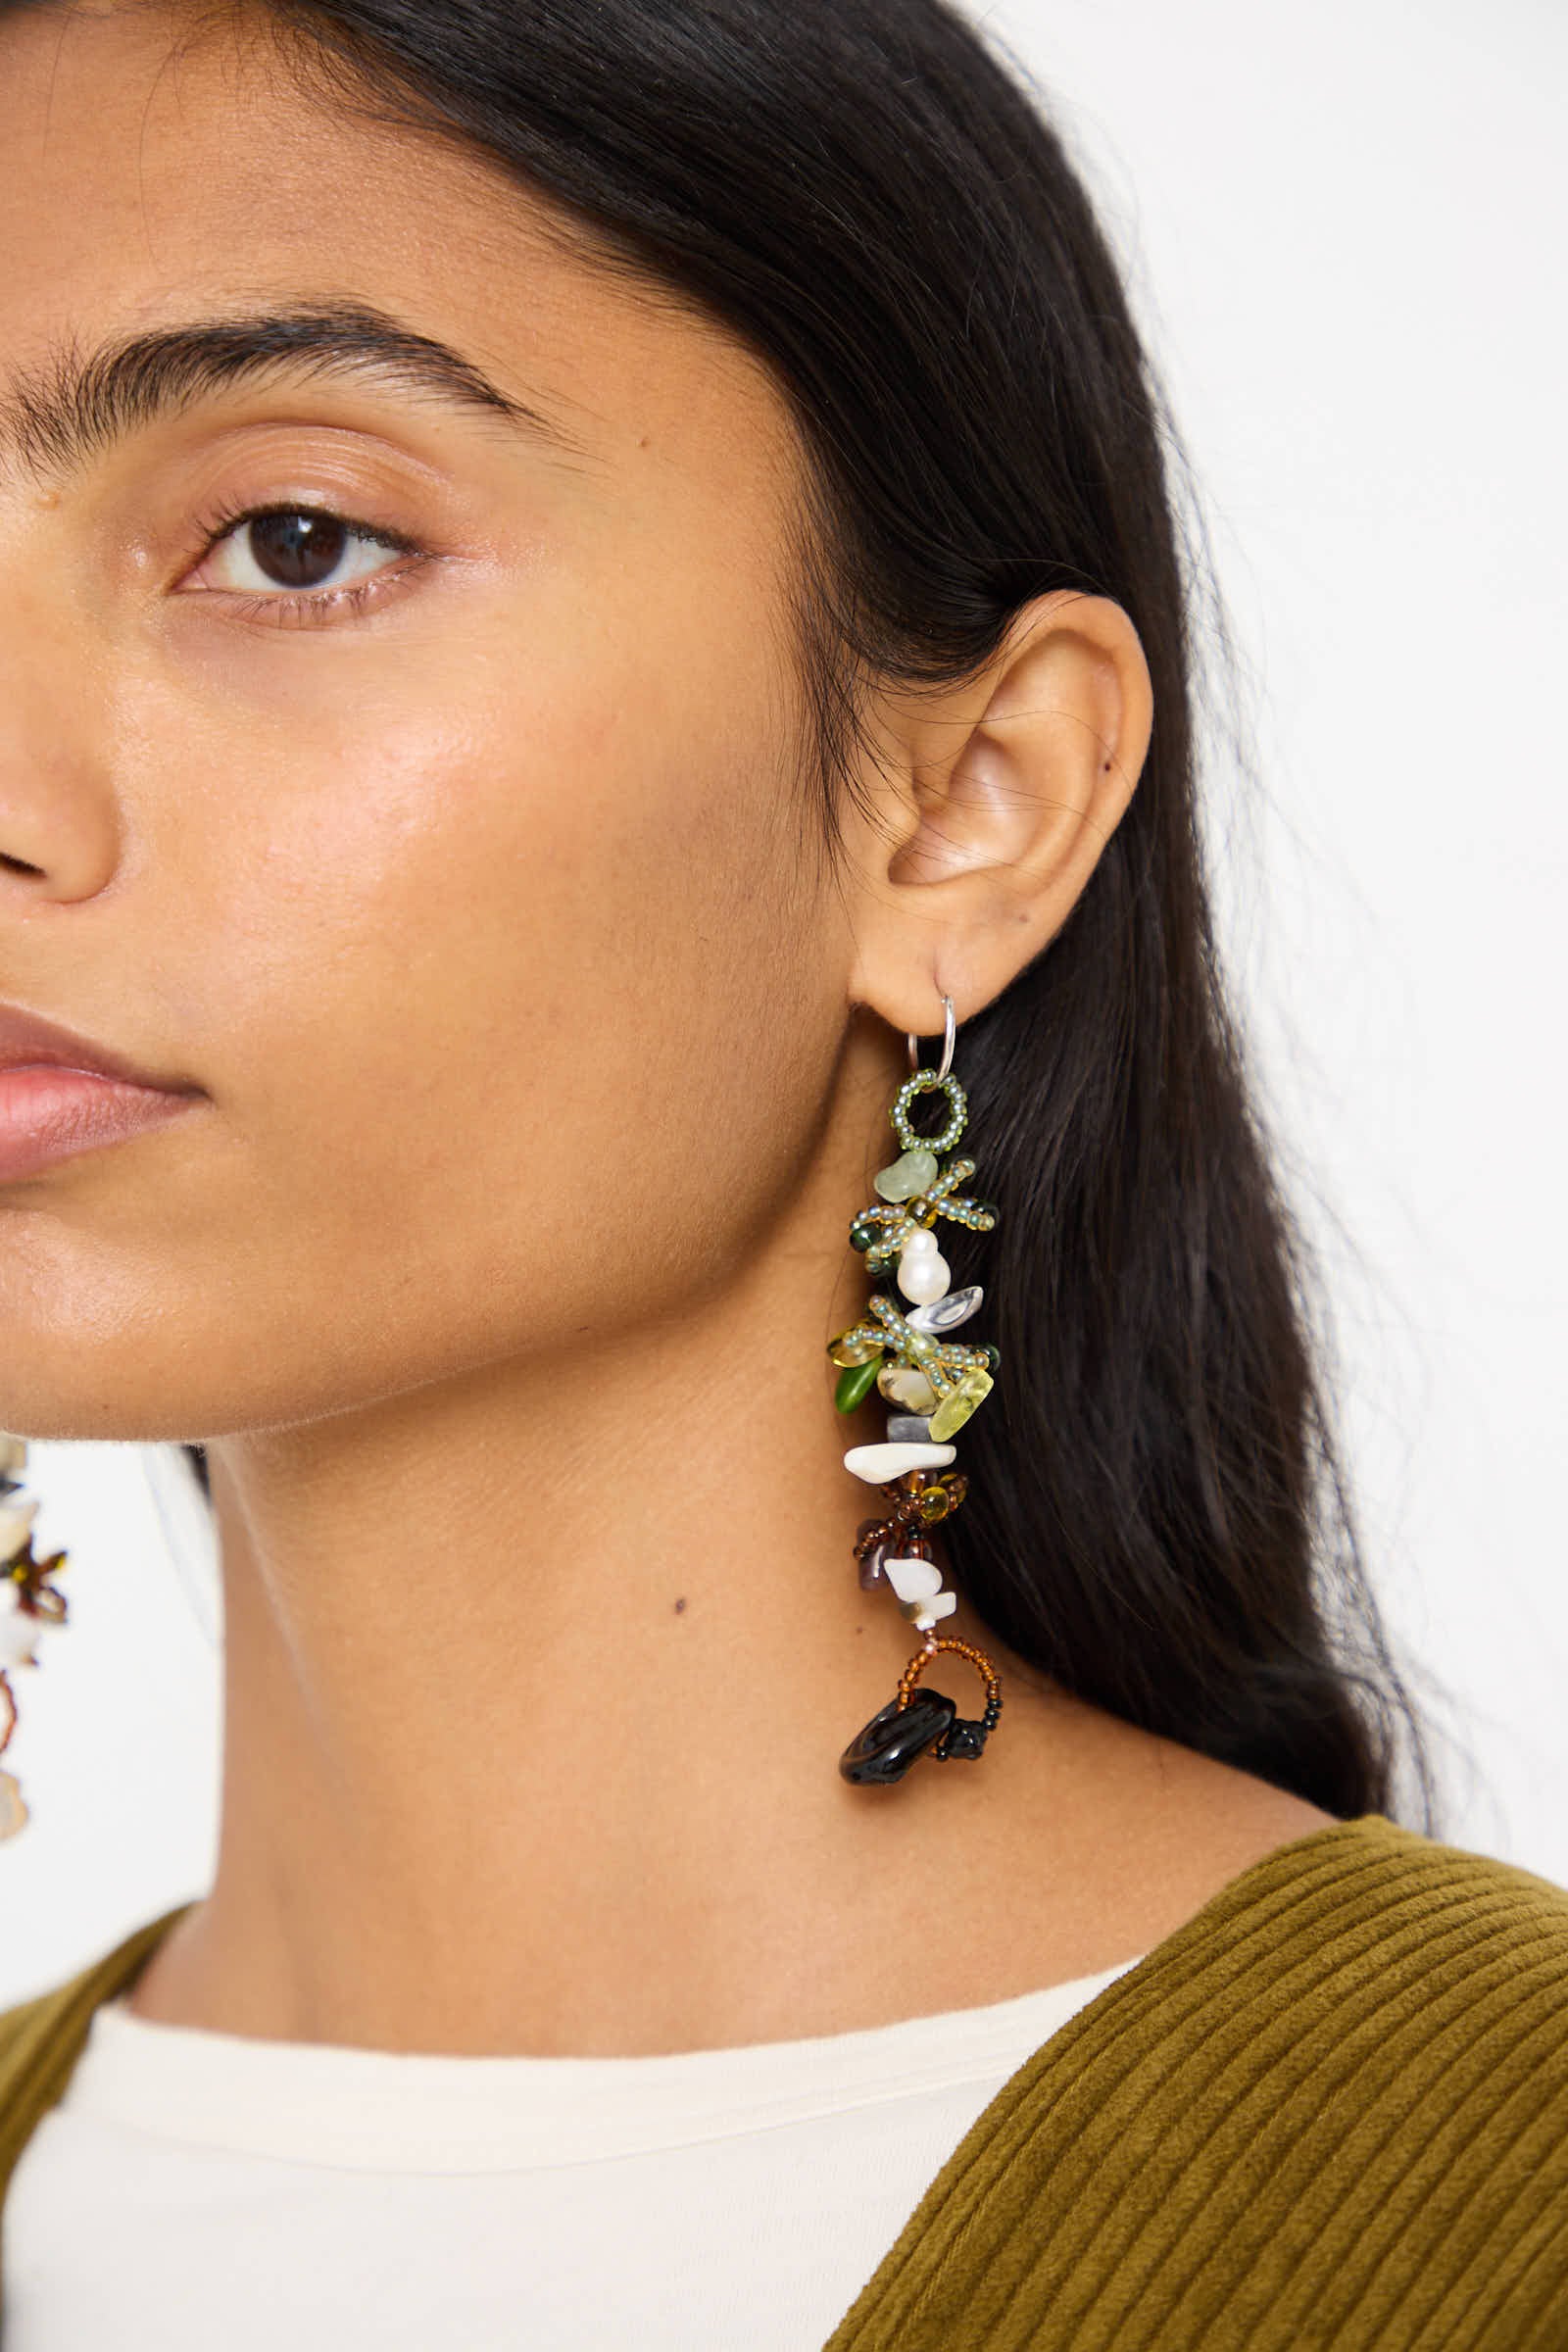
[[1331, 2110]]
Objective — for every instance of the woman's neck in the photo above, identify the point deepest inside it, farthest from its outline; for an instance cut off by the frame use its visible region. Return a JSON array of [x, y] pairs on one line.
[[536, 1680], [541, 1756]]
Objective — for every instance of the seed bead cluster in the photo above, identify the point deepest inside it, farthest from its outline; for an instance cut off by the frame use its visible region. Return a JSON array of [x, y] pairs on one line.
[[925, 1082]]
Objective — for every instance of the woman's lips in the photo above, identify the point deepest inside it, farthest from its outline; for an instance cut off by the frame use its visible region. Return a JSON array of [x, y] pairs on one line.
[[48, 1113]]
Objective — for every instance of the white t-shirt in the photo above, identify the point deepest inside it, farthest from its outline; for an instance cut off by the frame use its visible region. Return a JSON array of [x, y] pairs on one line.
[[195, 2191]]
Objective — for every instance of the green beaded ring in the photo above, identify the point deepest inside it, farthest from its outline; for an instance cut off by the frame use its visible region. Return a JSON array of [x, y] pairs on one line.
[[922, 1082]]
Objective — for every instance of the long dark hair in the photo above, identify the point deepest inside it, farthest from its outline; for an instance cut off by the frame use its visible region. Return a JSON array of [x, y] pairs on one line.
[[871, 195]]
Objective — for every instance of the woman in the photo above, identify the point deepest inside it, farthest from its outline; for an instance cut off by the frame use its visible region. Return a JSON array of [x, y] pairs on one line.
[[580, 583]]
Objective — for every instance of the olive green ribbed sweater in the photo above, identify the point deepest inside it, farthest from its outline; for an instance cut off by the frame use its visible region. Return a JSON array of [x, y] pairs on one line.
[[1330, 2110]]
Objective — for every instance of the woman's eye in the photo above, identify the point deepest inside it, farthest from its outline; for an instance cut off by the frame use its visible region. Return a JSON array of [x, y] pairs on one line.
[[290, 556]]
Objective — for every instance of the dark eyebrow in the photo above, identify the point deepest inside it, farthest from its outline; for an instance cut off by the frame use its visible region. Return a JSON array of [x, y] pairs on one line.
[[56, 417]]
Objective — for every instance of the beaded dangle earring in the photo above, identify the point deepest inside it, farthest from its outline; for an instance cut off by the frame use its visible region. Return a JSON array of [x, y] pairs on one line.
[[27, 1603], [933, 1384]]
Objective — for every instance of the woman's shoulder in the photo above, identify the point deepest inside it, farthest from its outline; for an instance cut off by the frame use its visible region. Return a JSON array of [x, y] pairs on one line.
[[1353, 1880], [1395, 1905], [1333, 2106], [1365, 1950]]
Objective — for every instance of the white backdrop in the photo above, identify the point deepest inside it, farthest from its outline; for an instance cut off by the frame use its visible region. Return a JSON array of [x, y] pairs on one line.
[[1345, 229]]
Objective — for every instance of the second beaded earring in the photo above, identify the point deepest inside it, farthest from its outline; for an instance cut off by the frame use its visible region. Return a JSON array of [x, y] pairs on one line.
[[933, 1384], [28, 1604]]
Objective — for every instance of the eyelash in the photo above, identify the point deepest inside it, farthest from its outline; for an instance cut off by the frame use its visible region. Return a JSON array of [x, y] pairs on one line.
[[303, 608]]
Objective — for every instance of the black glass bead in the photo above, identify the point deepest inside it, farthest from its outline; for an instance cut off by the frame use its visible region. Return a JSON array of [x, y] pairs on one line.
[[965, 1737], [895, 1736]]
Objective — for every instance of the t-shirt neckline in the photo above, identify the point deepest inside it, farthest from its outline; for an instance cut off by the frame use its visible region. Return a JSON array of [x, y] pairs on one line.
[[426, 2111]]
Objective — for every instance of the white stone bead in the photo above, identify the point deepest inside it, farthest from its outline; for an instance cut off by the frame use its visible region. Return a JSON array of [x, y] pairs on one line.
[[876, 1464], [19, 1637], [946, 1314], [923, 1279], [942, 1604], [16, 1519], [13, 1452], [913, 1580], [907, 1386], [919, 1242]]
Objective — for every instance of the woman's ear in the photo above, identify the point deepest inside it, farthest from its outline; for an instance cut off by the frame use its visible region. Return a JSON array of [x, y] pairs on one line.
[[987, 814]]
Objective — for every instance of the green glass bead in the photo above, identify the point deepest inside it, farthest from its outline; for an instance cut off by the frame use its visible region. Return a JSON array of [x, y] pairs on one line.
[[909, 1174], [847, 1349], [863, 1233], [957, 1405], [855, 1382]]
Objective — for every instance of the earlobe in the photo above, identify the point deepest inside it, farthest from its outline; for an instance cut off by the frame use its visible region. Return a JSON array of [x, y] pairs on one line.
[[1015, 784]]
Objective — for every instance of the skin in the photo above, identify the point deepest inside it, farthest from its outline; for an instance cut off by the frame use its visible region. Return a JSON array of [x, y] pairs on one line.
[[541, 1076]]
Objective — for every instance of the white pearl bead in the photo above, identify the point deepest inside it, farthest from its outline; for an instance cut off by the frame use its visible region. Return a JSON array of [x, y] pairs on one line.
[[918, 1244], [913, 1580], [876, 1464], [923, 1279]]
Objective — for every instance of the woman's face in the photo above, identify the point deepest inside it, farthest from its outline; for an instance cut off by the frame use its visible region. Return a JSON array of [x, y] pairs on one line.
[[467, 876]]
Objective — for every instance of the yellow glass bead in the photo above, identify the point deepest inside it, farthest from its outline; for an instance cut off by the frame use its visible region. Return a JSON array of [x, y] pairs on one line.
[[958, 1403], [845, 1350]]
